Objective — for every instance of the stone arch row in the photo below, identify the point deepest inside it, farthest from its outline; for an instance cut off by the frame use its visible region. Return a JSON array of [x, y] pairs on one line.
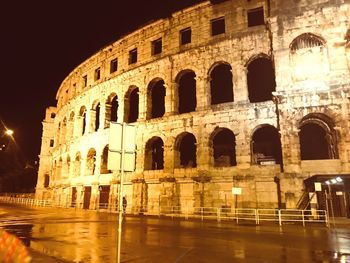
[[318, 140], [260, 79]]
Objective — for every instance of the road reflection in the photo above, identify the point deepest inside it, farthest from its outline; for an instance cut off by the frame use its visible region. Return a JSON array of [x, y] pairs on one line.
[[80, 236]]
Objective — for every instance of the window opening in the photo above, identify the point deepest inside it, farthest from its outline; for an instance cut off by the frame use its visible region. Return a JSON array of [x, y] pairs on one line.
[[218, 26], [261, 80], [187, 92], [114, 65], [224, 148], [157, 46], [97, 74], [133, 56], [185, 36], [256, 17], [221, 84]]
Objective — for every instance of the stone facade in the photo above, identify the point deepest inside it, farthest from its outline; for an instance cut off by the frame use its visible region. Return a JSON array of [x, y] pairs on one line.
[[205, 123]]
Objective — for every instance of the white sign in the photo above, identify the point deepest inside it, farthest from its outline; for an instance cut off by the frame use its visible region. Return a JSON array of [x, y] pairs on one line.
[[236, 190], [115, 147], [318, 187], [339, 193]]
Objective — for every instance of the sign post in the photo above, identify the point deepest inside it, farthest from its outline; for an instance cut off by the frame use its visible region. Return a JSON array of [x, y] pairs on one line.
[[121, 157]]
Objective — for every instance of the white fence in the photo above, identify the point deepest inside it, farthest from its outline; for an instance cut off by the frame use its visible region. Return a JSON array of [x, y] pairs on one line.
[[255, 216]]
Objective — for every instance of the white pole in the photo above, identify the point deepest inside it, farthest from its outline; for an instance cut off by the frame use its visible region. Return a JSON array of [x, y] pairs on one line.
[[121, 193]]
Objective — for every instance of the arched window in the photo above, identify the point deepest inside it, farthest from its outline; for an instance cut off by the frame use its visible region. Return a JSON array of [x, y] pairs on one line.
[[224, 148], [221, 86], [67, 167], [82, 120], [104, 161], [111, 109], [185, 150], [186, 82], [95, 116], [266, 146], [70, 127], [154, 159], [156, 99], [77, 165], [308, 57], [131, 105], [90, 162], [64, 130], [318, 139], [261, 79]]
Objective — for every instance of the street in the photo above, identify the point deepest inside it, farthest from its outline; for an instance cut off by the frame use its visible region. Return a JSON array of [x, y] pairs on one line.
[[88, 236]]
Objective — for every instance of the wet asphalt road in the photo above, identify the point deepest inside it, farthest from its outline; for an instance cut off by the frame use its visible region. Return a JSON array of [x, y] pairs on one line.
[[88, 236]]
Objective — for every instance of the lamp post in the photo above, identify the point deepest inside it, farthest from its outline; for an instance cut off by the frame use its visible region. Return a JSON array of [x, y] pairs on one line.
[[6, 133]]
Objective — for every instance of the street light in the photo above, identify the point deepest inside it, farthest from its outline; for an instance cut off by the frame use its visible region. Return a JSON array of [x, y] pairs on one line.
[[9, 132]]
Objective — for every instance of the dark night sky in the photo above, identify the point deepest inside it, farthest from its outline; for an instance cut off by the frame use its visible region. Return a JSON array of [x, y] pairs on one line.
[[42, 41]]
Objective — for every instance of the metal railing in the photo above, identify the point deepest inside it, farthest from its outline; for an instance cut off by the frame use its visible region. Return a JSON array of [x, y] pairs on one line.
[[255, 216]]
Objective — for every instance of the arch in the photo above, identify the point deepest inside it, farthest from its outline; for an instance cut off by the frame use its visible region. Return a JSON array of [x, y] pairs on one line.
[[64, 130], [221, 85], [185, 150], [266, 145], [95, 115], [306, 40], [90, 162], [70, 127], [82, 122], [223, 143], [77, 165], [260, 79], [67, 167], [186, 91], [111, 109], [318, 138], [308, 58], [156, 99], [104, 161], [154, 154], [131, 104]]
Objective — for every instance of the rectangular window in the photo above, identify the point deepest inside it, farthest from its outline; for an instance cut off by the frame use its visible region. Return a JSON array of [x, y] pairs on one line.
[[218, 26], [157, 46], [185, 36], [133, 56], [97, 74], [114, 65], [256, 17], [84, 81], [51, 143]]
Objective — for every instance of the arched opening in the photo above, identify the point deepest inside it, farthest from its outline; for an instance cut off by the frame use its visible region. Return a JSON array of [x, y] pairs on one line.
[[67, 167], [224, 148], [318, 138], [90, 162], [96, 113], [187, 100], [77, 165], [59, 169], [64, 130], [131, 105], [261, 79], [308, 57], [185, 150], [266, 146], [104, 161], [82, 118], [156, 99], [71, 125], [221, 86], [154, 158], [111, 109]]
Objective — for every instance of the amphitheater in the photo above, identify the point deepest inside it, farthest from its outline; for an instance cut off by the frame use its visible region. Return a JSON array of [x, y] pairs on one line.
[[245, 95]]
